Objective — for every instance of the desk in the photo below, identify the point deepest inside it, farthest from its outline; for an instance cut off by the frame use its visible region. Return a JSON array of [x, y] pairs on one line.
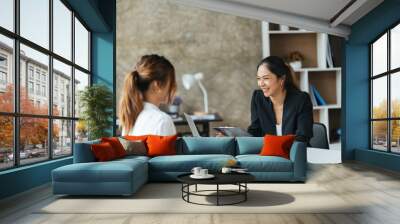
[[324, 156], [204, 121]]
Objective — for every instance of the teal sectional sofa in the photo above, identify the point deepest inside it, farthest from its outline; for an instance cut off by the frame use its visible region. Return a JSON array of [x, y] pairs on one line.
[[125, 176]]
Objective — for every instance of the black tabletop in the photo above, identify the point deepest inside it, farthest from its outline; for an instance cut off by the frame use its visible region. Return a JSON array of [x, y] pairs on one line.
[[220, 178]]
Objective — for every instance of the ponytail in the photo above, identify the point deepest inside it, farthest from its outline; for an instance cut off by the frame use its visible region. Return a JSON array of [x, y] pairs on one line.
[[131, 103]]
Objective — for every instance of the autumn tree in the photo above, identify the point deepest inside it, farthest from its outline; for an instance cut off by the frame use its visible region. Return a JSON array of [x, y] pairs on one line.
[[33, 131]]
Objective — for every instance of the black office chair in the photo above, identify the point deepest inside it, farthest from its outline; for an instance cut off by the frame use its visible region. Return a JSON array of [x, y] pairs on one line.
[[319, 139]]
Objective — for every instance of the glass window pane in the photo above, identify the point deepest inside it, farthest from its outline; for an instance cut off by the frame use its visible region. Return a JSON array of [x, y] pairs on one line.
[[379, 135], [395, 136], [81, 45], [6, 74], [379, 55], [7, 14], [34, 66], [81, 81], [6, 142], [62, 29], [62, 89], [35, 21], [62, 138], [395, 47], [33, 140], [395, 94], [379, 97], [81, 131]]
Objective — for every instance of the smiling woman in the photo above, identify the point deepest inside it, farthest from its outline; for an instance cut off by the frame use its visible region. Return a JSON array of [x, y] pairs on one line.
[[279, 107]]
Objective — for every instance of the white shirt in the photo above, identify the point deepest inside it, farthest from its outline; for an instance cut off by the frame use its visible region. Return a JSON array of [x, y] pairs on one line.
[[152, 121], [279, 129]]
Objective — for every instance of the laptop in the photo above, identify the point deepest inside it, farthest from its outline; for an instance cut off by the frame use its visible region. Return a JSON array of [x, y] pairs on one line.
[[227, 131], [192, 126]]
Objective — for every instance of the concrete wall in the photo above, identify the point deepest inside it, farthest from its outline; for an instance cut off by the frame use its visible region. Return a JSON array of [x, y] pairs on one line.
[[225, 48]]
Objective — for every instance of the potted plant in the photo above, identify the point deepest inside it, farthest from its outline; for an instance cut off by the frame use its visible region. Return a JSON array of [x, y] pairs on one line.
[[96, 103], [295, 59]]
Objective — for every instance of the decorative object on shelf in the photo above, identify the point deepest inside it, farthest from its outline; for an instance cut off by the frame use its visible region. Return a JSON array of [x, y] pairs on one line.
[[284, 28], [295, 59], [96, 102], [189, 80]]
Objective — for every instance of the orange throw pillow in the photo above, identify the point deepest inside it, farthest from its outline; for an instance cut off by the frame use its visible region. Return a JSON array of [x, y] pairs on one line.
[[116, 145], [161, 145], [277, 145], [103, 152]]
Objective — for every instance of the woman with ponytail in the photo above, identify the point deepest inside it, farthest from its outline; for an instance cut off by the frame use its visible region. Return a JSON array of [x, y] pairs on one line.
[[279, 107], [150, 84]]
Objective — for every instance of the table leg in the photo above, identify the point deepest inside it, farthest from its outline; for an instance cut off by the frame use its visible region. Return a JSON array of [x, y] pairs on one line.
[[217, 194], [196, 188], [206, 128]]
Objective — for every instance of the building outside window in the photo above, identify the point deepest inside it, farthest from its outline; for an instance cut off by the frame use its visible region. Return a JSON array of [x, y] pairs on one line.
[[59, 133]]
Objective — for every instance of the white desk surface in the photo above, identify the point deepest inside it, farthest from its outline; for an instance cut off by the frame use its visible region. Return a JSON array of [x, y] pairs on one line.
[[325, 156]]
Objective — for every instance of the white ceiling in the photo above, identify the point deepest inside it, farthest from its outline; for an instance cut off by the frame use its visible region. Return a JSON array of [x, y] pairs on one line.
[[321, 9], [314, 15]]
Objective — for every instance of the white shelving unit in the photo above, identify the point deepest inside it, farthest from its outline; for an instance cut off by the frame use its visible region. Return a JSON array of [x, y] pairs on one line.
[[327, 80]]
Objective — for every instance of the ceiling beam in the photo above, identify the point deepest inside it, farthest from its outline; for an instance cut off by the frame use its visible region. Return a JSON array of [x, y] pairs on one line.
[[268, 15], [346, 12]]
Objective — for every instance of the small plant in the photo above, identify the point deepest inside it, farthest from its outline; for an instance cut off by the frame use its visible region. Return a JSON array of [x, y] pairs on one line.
[[96, 103]]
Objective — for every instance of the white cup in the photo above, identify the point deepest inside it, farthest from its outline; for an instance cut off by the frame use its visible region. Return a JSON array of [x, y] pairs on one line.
[[196, 171], [203, 172], [226, 170]]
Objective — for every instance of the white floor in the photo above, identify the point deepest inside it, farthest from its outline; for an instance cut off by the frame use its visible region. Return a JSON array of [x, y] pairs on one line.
[[333, 155]]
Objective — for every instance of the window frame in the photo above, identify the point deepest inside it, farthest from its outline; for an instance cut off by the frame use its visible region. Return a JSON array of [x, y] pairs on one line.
[[388, 74], [16, 114]]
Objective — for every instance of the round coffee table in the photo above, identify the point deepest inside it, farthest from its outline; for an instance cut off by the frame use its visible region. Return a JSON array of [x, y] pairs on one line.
[[238, 179]]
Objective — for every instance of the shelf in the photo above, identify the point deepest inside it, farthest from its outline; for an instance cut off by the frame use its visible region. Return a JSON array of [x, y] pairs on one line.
[[317, 69], [329, 106]]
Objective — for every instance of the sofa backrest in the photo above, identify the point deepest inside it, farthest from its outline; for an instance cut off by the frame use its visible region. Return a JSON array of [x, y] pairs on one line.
[[249, 145], [83, 152], [206, 145]]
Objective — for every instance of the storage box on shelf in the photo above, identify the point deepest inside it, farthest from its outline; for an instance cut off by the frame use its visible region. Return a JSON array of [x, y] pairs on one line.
[[281, 41]]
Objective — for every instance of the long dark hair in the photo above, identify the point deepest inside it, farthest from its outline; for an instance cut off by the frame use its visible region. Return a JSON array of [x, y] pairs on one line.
[[148, 69], [281, 69]]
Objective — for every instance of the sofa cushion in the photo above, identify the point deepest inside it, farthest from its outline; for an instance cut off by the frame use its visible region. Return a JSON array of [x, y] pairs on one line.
[[103, 152], [277, 145], [249, 145], [161, 145], [257, 163], [112, 171], [208, 145], [185, 163]]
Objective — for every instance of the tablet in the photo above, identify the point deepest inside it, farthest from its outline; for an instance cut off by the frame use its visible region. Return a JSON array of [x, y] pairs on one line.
[[233, 131]]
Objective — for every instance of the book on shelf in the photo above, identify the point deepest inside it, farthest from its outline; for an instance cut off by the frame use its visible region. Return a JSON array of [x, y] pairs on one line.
[[320, 100], [312, 96]]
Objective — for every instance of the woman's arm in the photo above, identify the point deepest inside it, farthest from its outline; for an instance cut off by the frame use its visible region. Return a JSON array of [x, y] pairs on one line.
[[255, 127], [305, 120]]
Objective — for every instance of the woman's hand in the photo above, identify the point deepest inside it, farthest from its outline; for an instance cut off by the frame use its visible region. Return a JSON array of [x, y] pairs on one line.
[[219, 134]]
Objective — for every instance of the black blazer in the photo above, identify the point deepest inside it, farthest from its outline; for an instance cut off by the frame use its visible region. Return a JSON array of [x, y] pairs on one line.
[[297, 118]]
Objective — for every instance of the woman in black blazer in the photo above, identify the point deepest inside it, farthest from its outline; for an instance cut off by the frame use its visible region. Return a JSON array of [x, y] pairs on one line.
[[279, 107]]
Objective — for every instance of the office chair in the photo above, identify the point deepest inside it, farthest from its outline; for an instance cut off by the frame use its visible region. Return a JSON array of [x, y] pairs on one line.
[[319, 139]]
